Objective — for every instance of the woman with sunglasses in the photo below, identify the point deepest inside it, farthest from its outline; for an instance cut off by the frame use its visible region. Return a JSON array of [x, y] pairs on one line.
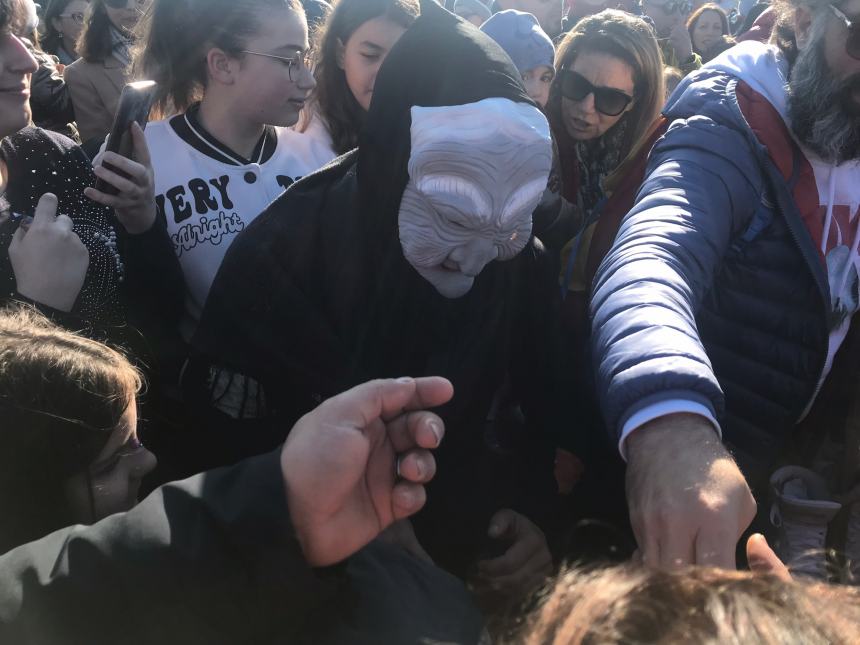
[[606, 95], [608, 91], [63, 23], [97, 78]]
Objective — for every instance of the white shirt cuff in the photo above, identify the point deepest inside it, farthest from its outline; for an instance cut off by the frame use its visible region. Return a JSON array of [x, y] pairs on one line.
[[662, 409]]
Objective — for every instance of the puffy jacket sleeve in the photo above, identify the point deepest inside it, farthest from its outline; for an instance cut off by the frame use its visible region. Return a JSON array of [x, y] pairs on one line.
[[701, 186]]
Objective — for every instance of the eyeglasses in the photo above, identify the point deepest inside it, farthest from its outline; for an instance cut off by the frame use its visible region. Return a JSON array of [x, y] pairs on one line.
[[297, 62], [607, 100], [852, 44], [676, 6], [74, 17]]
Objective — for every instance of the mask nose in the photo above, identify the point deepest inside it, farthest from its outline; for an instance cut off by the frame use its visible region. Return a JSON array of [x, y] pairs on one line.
[[473, 256]]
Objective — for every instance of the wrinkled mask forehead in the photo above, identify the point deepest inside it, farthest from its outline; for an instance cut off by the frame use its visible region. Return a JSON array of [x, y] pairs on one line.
[[496, 154], [476, 174]]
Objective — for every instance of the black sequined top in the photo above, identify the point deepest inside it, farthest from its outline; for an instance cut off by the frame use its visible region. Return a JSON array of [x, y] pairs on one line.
[[39, 162]]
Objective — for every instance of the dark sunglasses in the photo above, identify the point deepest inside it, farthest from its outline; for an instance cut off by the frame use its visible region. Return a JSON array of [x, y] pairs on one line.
[[607, 100], [852, 44]]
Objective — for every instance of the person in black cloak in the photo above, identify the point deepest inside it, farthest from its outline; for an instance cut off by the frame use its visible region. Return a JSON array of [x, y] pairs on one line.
[[382, 263]]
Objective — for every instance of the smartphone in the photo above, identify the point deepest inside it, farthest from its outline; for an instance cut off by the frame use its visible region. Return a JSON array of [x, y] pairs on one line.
[[135, 103]]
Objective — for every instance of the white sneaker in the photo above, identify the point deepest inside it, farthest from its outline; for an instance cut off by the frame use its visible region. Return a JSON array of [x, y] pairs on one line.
[[801, 510]]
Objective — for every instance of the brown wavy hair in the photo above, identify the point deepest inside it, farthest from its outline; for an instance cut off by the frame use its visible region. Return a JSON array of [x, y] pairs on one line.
[[61, 397], [175, 35], [632, 604], [332, 99]]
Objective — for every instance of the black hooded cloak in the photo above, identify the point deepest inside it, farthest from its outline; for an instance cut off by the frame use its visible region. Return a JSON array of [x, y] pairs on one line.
[[316, 297]]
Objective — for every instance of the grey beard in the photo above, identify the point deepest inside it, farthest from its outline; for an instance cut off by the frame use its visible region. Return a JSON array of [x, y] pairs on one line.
[[823, 115]]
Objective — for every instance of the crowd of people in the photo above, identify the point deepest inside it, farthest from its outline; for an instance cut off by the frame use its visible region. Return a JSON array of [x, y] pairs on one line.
[[394, 309]]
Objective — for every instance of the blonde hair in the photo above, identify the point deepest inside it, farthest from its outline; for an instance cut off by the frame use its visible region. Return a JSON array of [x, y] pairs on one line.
[[630, 39], [631, 604]]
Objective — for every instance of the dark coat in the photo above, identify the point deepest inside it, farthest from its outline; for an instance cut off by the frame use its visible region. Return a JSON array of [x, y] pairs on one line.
[[316, 296], [214, 560]]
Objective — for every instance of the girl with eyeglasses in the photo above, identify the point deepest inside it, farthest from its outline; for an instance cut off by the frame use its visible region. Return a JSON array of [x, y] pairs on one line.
[[232, 79], [353, 44], [97, 78], [63, 23]]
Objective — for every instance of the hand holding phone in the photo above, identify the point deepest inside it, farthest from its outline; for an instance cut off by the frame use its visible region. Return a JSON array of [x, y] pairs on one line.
[[125, 178], [135, 102]]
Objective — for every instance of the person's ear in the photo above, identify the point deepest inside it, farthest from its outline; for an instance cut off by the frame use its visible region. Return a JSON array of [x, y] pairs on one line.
[[340, 54], [802, 26], [220, 66]]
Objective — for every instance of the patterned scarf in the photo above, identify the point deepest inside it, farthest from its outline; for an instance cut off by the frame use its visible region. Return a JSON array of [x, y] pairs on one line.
[[597, 159], [121, 44]]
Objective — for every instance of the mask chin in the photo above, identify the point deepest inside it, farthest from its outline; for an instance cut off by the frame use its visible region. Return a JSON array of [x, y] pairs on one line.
[[448, 284]]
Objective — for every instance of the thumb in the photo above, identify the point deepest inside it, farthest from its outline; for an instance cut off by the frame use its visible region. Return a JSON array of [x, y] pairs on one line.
[[46, 210], [141, 150], [763, 560], [503, 523]]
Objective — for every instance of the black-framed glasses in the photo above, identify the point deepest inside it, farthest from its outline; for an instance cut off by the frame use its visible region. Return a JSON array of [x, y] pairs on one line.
[[296, 62], [607, 100], [76, 17], [676, 6], [852, 43]]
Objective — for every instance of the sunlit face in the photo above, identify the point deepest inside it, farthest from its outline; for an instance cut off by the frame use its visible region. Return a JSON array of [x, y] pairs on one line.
[[476, 173], [361, 56], [126, 18], [707, 31], [537, 82], [279, 88], [582, 120], [114, 476], [547, 12], [16, 67]]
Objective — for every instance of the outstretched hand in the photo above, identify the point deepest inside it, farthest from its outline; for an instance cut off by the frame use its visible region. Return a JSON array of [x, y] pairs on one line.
[[689, 502], [359, 462]]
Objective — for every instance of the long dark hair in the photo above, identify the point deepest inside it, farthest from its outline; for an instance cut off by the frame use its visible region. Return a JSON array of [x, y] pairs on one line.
[[95, 43], [175, 35], [50, 37], [61, 397], [332, 99]]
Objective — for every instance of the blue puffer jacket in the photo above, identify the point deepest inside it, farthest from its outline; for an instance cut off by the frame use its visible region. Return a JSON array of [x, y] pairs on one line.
[[714, 291]]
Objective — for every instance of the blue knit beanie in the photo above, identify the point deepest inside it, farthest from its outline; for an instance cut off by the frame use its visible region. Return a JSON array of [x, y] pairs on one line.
[[522, 38]]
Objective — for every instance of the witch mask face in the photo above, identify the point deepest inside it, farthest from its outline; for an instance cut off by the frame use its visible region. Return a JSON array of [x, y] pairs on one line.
[[476, 173]]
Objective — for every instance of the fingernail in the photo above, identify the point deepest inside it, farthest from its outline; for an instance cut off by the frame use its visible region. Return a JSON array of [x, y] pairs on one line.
[[436, 430], [405, 379]]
